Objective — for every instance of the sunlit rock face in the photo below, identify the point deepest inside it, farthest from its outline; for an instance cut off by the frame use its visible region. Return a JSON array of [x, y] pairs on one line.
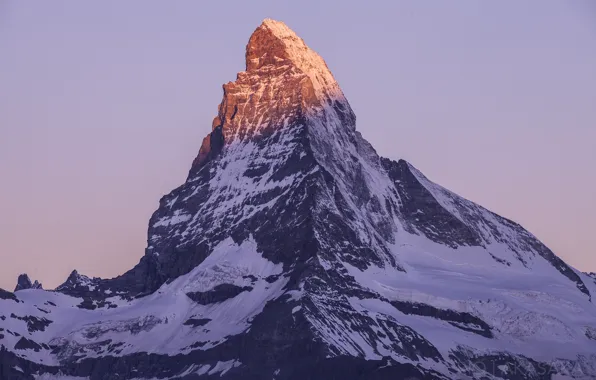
[[284, 80], [293, 251]]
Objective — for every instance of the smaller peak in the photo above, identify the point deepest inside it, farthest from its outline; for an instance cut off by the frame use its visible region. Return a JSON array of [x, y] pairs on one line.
[[75, 279], [24, 282]]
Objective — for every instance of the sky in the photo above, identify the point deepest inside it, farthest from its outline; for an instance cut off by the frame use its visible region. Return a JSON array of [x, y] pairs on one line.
[[103, 106]]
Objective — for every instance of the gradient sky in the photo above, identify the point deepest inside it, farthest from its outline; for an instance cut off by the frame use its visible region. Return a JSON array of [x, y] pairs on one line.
[[103, 106]]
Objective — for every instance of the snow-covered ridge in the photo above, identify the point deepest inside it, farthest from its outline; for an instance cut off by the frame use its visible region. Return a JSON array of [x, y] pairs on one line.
[[496, 233], [77, 280]]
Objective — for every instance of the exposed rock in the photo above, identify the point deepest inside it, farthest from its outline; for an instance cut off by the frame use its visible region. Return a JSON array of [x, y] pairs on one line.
[[280, 70], [77, 283], [5, 295], [33, 323], [197, 322], [27, 344], [24, 282], [461, 320], [219, 293]]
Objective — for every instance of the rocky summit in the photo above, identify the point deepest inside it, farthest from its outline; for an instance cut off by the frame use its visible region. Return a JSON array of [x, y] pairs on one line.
[[24, 282], [294, 251]]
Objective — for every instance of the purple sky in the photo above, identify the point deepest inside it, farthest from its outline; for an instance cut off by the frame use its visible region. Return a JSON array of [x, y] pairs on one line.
[[104, 105]]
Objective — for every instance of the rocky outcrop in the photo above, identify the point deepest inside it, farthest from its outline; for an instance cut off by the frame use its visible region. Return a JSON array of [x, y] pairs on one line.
[[219, 293], [461, 320], [33, 323], [5, 295], [78, 284], [283, 80], [24, 282]]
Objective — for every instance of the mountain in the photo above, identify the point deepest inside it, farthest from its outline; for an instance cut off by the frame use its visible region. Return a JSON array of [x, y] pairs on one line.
[[24, 282], [294, 251]]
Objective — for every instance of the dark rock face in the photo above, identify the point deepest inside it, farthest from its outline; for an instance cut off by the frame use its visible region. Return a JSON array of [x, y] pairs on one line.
[[424, 213], [461, 320], [33, 323], [10, 364], [197, 322], [470, 226], [26, 344], [220, 293], [591, 334], [4, 295], [24, 282], [307, 242]]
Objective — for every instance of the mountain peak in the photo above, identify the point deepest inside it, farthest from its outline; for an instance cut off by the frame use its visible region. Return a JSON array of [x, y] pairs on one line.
[[284, 80], [75, 277], [274, 43], [24, 282]]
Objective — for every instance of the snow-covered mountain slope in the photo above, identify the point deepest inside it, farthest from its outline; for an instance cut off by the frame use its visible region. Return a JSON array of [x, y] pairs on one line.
[[293, 251]]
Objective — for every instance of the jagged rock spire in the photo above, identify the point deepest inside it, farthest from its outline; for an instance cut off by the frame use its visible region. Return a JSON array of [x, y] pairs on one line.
[[274, 43], [74, 279], [24, 282], [283, 81]]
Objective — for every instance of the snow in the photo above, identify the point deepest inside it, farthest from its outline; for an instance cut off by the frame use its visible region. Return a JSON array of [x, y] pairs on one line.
[[203, 369], [224, 367], [532, 314], [155, 323], [503, 368], [533, 309], [177, 218], [221, 367]]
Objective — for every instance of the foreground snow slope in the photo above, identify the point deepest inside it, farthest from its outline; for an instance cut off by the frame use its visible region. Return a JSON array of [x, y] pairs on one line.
[[294, 251]]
